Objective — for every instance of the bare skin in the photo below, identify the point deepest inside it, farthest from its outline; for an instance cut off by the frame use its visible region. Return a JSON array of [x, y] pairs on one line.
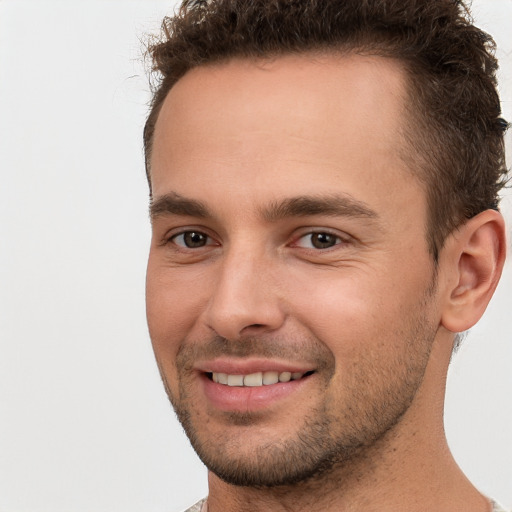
[[289, 236]]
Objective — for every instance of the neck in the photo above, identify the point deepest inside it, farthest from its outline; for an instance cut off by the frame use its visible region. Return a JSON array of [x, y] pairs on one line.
[[409, 468]]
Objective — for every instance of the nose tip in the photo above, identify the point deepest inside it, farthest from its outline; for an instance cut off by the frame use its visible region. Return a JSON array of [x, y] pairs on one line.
[[244, 301], [232, 316]]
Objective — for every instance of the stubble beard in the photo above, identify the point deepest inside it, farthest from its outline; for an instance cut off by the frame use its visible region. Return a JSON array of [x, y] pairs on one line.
[[333, 437]]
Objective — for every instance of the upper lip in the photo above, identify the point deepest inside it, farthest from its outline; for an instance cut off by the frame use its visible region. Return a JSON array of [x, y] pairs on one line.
[[248, 366]]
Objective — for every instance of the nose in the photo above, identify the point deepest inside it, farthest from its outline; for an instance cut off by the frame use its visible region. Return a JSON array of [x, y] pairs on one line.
[[245, 298]]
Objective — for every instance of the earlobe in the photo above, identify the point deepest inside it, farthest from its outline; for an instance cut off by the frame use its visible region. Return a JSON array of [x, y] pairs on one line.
[[476, 254]]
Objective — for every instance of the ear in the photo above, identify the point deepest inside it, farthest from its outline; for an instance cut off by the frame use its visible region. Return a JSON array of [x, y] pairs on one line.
[[474, 255]]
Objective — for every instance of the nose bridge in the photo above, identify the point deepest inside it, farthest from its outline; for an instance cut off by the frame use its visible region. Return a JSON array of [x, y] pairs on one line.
[[244, 295]]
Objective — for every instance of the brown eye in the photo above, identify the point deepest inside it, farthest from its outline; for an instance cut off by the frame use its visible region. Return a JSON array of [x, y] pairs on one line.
[[323, 240], [191, 239], [318, 240]]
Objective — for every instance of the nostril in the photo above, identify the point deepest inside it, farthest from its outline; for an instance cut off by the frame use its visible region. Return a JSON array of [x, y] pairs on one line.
[[254, 328]]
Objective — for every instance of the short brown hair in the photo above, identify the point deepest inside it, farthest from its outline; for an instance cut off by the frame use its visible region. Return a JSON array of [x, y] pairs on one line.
[[455, 138]]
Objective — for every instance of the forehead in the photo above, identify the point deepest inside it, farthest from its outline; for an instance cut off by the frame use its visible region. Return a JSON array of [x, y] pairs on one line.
[[290, 122]]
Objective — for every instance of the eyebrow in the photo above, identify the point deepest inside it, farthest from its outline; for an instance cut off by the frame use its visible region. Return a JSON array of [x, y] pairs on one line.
[[304, 206], [175, 204], [334, 205]]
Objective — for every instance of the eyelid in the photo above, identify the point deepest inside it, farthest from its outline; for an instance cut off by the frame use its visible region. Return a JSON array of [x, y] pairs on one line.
[[208, 238], [342, 238], [172, 234]]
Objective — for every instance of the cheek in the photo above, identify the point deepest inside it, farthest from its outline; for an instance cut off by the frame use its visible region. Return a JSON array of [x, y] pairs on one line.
[[350, 308], [169, 321], [175, 300]]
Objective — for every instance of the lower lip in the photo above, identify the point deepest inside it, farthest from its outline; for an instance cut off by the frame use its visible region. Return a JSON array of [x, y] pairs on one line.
[[242, 398]]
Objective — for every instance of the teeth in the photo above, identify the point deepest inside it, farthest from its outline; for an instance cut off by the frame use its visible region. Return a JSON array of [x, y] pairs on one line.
[[285, 377], [270, 378], [255, 379], [235, 380]]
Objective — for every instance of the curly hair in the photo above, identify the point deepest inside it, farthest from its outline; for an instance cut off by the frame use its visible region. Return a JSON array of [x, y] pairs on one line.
[[455, 135]]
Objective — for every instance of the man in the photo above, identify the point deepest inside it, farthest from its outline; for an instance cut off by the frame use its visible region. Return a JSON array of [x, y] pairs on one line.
[[324, 180]]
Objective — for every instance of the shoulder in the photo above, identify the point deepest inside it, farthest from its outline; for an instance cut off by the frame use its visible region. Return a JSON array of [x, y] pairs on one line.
[[199, 505]]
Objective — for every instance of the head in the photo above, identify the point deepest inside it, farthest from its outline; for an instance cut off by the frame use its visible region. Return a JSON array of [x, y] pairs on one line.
[[315, 238], [454, 135]]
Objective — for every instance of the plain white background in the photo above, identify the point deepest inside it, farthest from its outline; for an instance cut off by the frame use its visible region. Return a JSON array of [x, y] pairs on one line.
[[84, 423]]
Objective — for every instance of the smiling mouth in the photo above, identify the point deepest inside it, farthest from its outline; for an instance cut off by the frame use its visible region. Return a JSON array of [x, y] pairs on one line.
[[256, 379]]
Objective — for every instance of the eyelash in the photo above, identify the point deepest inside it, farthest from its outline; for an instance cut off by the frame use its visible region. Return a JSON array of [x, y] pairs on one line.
[[334, 238], [190, 232]]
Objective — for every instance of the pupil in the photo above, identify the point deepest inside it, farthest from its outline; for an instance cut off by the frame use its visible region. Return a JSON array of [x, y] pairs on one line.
[[193, 239], [323, 240]]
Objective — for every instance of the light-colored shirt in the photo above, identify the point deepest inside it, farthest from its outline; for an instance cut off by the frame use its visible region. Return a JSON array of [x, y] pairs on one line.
[[201, 506]]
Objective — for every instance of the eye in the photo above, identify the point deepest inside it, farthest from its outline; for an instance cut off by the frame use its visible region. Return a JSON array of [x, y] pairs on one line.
[[318, 240], [192, 239]]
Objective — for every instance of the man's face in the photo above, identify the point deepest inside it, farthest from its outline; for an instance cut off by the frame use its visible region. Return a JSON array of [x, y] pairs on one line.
[[290, 293]]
